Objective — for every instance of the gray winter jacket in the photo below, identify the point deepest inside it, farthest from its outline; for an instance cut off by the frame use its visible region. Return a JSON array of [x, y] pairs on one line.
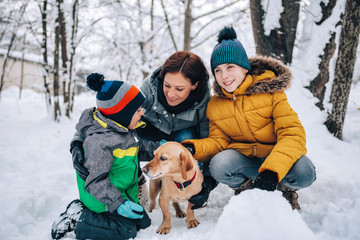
[[111, 155], [157, 115]]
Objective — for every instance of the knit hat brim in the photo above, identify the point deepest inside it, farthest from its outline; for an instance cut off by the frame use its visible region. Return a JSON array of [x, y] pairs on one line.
[[229, 51]]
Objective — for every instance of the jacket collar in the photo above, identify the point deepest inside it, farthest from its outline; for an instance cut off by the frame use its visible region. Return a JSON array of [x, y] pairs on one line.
[[108, 123]]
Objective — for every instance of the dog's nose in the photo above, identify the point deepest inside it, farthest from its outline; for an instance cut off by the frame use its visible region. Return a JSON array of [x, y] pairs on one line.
[[145, 169]]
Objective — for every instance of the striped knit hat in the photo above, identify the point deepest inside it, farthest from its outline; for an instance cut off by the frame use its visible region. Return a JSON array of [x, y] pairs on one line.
[[116, 100], [229, 50]]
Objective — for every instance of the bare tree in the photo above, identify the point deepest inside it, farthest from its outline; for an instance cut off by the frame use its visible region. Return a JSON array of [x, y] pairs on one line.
[[64, 55], [189, 19], [57, 110], [74, 30], [17, 23], [277, 42], [22, 67], [344, 69], [317, 86], [169, 25], [44, 50]]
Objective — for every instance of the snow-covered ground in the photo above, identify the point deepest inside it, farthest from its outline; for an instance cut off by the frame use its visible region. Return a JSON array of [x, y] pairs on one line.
[[37, 180]]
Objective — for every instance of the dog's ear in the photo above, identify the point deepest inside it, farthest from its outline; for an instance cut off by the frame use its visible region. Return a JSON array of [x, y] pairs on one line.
[[186, 163]]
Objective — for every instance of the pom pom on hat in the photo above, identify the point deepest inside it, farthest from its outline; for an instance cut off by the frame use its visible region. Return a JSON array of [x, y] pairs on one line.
[[229, 50], [226, 33], [116, 100], [95, 81]]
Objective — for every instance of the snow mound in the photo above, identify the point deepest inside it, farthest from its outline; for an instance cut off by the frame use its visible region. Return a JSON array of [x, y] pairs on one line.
[[258, 214]]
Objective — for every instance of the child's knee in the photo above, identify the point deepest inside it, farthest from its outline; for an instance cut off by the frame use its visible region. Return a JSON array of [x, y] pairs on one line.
[[130, 232], [144, 222]]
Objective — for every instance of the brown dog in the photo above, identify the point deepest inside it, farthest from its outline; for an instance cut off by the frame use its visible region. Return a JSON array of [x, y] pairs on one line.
[[175, 173]]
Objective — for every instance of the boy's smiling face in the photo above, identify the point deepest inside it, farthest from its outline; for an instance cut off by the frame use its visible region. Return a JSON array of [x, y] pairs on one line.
[[136, 117]]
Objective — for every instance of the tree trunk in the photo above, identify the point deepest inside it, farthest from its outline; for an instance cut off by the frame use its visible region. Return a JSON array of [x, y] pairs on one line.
[[57, 112], [141, 42], [188, 19], [344, 69], [45, 63], [257, 17], [289, 20], [168, 25], [71, 85], [22, 71], [318, 85], [64, 56], [280, 41], [10, 46]]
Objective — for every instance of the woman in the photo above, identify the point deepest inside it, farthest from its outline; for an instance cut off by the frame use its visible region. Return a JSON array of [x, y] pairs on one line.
[[176, 98], [176, 95], [256, 139]]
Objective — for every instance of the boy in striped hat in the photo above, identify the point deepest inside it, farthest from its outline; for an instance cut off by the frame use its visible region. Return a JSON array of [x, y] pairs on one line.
[[108, 207]]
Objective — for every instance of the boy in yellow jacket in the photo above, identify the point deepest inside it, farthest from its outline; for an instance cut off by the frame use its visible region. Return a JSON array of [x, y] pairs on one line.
[[256, 139]]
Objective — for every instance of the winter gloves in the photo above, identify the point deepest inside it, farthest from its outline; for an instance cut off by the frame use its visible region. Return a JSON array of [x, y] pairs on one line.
[[267, 180], [131, 210], [78, 158], [201, 198], [189, 147]]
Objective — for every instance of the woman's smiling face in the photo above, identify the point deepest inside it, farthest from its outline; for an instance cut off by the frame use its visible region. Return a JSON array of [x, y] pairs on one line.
[[177, 88], [229, 76]]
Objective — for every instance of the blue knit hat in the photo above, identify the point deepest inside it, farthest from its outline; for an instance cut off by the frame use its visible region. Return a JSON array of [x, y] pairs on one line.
[[229, 50], [116, 100]]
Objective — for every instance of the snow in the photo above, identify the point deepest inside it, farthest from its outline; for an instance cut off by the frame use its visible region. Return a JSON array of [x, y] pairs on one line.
[[272, 15], [273, 220], [38, 180]]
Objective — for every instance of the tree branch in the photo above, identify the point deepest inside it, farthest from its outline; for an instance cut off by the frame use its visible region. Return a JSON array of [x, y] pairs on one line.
[[216, 10], [168, 24]]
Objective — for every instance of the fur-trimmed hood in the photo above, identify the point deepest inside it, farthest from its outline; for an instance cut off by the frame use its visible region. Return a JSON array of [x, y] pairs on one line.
[[259, 64]]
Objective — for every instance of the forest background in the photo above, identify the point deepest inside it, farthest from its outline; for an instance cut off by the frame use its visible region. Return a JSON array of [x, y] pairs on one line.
[[127, 40]]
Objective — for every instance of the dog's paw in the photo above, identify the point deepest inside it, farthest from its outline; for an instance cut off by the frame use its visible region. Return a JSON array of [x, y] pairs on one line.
[[193, 223], [180, 214], [163, 229]]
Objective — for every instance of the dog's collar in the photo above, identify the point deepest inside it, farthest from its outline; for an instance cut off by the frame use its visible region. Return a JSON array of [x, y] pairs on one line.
[[183, 185]]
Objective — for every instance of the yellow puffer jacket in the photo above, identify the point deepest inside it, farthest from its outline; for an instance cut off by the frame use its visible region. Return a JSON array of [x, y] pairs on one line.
[[256, 119]]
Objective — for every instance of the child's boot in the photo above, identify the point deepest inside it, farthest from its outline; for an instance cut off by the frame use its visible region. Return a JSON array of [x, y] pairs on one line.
[[67, 220]]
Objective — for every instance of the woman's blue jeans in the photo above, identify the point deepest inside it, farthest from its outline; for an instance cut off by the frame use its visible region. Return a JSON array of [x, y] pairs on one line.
[[232, 168], [183, 135]]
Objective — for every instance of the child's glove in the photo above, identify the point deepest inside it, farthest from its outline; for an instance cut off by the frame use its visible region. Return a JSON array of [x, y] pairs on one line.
[[78, 158], [131, 210], [267, 180]]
